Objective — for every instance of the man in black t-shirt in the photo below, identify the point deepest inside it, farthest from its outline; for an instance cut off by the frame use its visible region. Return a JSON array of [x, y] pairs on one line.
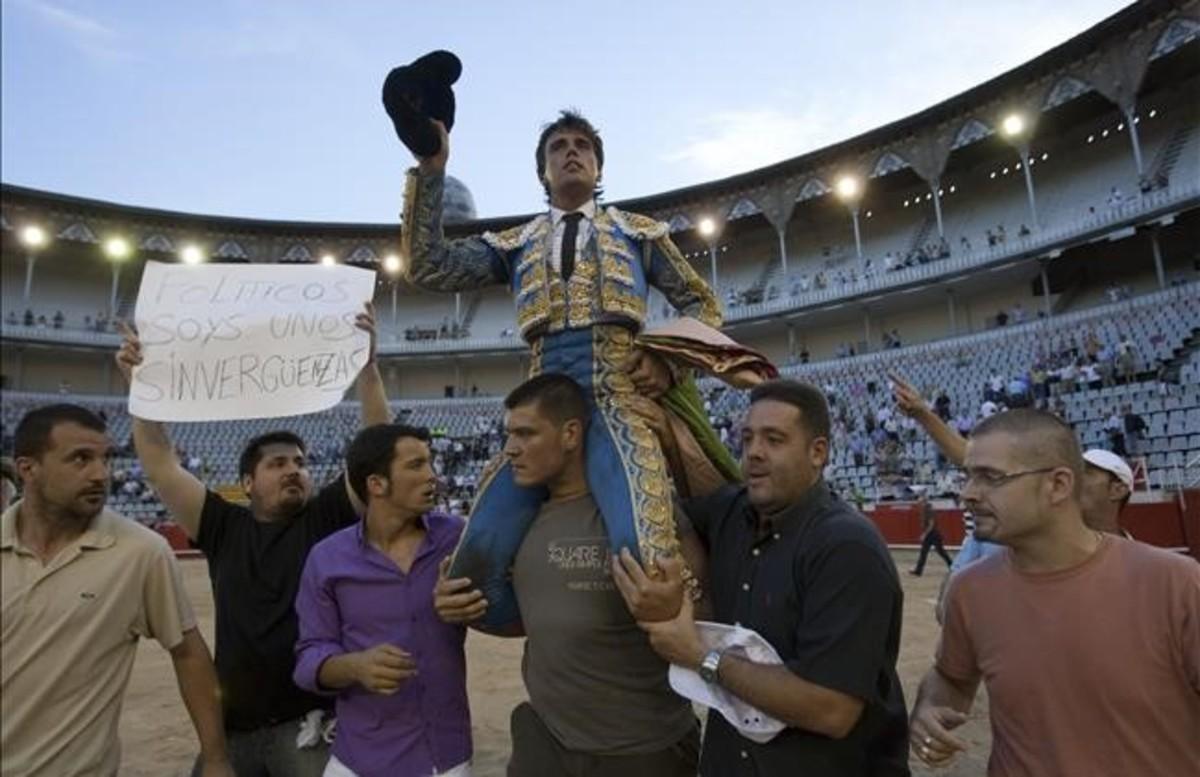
[[812, 576], [255, 557]]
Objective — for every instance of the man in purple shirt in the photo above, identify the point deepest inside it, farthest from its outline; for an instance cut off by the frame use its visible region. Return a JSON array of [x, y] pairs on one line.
[[368, 631]]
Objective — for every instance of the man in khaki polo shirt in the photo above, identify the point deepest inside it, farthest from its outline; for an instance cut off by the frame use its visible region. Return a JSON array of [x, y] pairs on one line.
[[79, 585]]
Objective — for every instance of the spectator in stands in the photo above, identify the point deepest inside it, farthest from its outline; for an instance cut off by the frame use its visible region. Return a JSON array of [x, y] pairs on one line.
[[81, 586], [988, 409], [964, 423], [964, 244], [1114, 427], [1002, 318], [941, 405], [8, 483], [599, 699], [58, 319], [367, 624], [1067, 376], [837, 692], [1135, 428], [1016, 393], [1023, 231], [1126, 360], [29, 320], [255, 556], [1038, 383], [1115, 198], [931, 536], [1090, 376], [1112, 620], [1001, 237], [1018, 313], [860, 446]]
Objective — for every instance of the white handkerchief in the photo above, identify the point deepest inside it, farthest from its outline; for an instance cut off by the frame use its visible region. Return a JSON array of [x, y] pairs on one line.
[[753, 723]]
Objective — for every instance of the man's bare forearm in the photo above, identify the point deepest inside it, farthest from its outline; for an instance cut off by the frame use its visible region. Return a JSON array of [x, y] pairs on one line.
[[181, 492], [782, 694], [154, 448], [198, 686], [373, 395], [952, 444], [940, 691]]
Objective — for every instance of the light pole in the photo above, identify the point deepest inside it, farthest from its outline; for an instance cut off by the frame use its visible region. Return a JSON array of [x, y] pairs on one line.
[[708, 230], [391, 266], [850, 192], [34, 239], [118, 250], [1013, 128]]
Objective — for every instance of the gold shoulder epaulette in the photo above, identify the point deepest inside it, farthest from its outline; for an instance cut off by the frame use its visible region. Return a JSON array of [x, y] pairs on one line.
[[639, 226], [514, 237]]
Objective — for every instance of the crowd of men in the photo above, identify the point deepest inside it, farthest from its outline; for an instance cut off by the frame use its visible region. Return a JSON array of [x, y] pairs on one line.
[[336, 602], [340, 631]]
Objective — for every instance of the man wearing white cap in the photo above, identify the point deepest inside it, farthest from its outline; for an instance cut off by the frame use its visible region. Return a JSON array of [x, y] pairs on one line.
[[1107, 485], [1107, 480]]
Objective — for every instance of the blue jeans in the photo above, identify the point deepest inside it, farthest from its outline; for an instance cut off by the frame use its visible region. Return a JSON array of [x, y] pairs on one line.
[[271, 752]]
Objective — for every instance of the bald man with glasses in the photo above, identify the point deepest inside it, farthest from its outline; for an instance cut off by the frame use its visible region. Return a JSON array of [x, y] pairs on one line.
[[1090, 647]]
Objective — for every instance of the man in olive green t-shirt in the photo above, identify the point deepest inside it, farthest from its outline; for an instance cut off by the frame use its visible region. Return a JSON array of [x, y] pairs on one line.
[[600, 703]]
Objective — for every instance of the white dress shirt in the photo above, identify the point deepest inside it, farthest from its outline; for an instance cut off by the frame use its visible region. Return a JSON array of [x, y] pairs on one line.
[[585, 232]]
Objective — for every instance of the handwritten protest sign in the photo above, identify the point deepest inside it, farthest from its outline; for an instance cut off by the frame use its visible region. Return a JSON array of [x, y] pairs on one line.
[[222, 342]]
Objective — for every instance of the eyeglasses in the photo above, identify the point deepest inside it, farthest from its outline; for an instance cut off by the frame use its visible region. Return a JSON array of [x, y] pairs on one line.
[[989, 479]]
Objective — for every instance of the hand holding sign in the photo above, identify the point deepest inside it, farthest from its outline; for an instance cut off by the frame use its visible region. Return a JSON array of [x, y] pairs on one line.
[[222, 342]]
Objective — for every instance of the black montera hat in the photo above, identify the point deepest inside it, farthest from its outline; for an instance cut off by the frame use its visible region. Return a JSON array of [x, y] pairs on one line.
[[414, 94]]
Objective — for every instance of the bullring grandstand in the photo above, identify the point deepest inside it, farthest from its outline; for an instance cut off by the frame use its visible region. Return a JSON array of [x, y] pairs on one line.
[[1035, 239]]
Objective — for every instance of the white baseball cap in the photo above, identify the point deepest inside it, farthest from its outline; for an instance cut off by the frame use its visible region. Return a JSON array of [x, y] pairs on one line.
[[1110, 463], [751, 722]]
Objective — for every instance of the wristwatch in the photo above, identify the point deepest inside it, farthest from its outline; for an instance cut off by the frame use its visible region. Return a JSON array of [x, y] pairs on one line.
[[708, 667]]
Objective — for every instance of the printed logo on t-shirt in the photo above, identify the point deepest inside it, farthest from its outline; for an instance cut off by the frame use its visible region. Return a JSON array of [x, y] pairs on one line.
[[584, 561]]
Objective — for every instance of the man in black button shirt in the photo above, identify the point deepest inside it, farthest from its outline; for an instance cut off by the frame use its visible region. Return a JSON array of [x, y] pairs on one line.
[[791, 561], [255, 557]]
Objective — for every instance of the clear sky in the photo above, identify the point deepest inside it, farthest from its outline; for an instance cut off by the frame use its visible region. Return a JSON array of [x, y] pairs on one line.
[[271, 108]]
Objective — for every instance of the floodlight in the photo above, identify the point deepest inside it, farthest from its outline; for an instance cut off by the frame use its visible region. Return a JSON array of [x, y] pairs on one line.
[[33, 236], [117, 248], [1013, 125]]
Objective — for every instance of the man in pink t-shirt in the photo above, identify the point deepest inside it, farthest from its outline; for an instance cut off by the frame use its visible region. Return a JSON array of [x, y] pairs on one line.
[[1089, 643]]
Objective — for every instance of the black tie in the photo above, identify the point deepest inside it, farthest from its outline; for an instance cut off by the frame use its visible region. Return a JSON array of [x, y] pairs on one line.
[[570, 233]]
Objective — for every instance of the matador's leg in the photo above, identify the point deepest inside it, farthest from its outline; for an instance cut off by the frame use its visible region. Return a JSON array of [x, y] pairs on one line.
[[626, 470]]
